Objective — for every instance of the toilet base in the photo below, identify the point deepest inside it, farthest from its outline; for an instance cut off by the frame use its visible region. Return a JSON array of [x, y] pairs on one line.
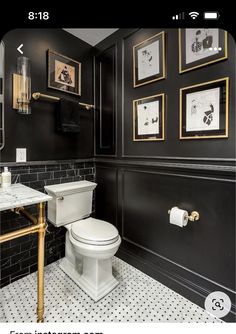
[[92, 281]]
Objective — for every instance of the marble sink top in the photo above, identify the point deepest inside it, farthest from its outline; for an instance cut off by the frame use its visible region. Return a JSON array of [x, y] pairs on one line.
[[19, 195]]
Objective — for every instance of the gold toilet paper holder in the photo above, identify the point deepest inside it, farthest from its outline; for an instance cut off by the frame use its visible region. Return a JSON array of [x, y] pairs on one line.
[[193, 216]]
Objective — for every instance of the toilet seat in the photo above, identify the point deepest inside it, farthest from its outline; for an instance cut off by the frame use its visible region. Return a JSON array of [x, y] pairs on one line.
[[93, 231]]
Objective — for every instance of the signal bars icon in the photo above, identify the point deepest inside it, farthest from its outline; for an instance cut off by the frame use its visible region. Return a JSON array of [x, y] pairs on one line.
[[178, 16]]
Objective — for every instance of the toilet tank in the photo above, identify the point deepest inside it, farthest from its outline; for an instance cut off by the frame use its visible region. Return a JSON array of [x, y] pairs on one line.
[[70, 201]]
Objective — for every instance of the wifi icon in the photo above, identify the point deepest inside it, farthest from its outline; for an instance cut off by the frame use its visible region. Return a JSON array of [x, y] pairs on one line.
[[193, 15]]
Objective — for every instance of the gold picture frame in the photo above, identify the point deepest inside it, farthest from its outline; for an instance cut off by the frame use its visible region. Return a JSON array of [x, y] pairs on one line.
[[204, 110], [64, 73], [149, 60], [151, 126], [214, 44]]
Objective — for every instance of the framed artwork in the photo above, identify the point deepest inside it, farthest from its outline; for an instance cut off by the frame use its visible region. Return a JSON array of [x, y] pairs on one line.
[[201, 46], [148, 118], [64, 73], [149, 60], [204, 110]]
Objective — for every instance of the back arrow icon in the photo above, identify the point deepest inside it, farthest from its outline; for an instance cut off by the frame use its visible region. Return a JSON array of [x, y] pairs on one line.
[[19, 49]]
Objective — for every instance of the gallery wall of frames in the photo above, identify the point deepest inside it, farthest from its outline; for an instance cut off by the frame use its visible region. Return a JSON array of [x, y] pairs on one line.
[[194, 90], [177, 85], [165, 136]]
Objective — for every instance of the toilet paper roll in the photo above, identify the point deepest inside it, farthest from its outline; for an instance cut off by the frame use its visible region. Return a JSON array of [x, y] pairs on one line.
[[178, 217]]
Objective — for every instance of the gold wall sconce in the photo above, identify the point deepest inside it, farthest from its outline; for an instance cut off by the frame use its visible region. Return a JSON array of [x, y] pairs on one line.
[[22, 86]]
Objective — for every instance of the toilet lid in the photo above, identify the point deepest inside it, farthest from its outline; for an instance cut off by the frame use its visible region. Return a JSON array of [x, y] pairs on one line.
[[94, 232]]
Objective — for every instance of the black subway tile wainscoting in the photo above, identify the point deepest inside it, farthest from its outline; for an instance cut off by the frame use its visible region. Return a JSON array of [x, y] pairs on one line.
[[154, 133], [19, 256]]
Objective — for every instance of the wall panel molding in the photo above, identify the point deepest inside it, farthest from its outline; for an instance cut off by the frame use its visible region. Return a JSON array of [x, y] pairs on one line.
[[107, 194], [193, 284], [160, 157], [208, 168], [163, 258], [189, 284], [146, 198], [106, 101], [122, 88]]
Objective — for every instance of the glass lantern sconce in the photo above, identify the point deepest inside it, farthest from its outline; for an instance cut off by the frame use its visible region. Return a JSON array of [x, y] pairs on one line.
[[22, 86]]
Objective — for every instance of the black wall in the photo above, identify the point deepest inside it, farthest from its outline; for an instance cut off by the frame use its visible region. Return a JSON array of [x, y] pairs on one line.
[[138, 182], [36, 132]]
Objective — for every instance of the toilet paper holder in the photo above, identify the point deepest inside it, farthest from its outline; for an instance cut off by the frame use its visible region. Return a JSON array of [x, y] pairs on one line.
[[194, 215]]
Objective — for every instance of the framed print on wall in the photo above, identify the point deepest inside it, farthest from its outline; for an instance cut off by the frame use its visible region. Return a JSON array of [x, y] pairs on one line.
[[149, 60], [148, 118], [204, 110], [64, 73], [200, 47]]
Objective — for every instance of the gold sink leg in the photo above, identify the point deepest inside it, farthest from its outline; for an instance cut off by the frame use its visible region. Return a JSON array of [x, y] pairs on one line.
[[41, 239]]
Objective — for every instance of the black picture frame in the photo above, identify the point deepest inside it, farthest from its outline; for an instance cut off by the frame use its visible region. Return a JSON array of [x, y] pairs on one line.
[[209, 45], [149, 60], [151, 126], [204, 110], [64, 73]]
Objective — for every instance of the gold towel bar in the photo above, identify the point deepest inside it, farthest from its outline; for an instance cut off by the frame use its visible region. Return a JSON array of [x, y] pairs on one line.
[[37, 96]]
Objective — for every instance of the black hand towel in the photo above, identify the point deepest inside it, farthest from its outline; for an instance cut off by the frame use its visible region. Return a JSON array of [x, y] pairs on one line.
[[68, 116]]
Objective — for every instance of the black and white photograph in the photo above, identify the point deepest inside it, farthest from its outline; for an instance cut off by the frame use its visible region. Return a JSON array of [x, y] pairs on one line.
[[148, 118], [204, 110], [201, 46], [149, 60], [64, 73]]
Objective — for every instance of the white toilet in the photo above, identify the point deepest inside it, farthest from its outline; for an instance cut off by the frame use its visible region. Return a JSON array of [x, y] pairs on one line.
[[90, 243]]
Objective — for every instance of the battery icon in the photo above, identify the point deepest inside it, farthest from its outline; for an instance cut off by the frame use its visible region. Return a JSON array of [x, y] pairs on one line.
[[211, 15]]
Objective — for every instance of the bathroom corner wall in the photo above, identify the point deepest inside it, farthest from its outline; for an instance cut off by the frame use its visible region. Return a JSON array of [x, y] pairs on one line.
[[138, 182], [19, 256]]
